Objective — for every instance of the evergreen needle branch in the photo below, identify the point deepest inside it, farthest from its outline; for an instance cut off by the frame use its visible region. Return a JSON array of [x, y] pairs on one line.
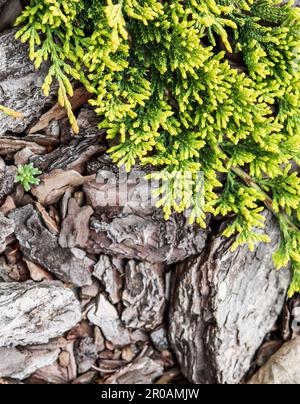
[[251, 183], [248, 180], [289, 250]]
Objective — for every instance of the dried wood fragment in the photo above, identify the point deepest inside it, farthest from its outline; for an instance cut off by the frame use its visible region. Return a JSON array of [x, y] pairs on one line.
[[54, 185], [37, 273], [20, 84], [141, 371], [86, 354], [32, 313], [33, 361], [55, 373], [42, 247], [266, 351], [86, 378], [22, 157], [283, 367], [75, 227], [7, 180], [11, 361], [223, 305], [144, 295], [105, 316], [72, 156], [9, 145], [8, 206], [52, 226], [109, 271], [80, 97]]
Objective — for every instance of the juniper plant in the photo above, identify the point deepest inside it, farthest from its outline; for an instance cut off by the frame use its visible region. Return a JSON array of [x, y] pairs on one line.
[[199, 85]]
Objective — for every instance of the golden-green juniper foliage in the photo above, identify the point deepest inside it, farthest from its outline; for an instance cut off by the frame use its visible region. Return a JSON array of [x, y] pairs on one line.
[[10, 112], [189, 86]]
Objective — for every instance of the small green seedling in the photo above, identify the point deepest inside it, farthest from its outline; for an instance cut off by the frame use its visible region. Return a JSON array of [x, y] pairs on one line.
[[27, 176]]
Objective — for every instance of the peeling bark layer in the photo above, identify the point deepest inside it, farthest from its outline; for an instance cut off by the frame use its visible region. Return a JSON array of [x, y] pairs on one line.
[[141, 371], [7, 179], [223, 305], [72, 156], [144, 295], [42, 247], [283, 367], [20, 84], [33, 313]]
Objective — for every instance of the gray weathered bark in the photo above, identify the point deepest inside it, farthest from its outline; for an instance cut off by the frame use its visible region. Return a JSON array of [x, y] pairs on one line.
[[11, 361], [42, 247], [20, 364], [282, 368], [223, 305], [72, 156], [20, 84], [7, 179], [140, 371], [109, 271], [75, 227], [32, 313], [86, 354], [144, 295], [105, 316], [7, 227]]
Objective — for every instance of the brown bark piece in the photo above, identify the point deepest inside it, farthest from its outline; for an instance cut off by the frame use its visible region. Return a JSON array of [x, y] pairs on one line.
[[42, 247], [223, 305], [55, 184], [75, 227]]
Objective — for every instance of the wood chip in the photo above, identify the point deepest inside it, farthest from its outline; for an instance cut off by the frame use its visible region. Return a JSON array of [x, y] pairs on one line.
[[8, 205], [33, 313], [212, 296], [105, 316], [42, 247], [140, 371], [21, 364], [13, 144], [21, 84], [282, 368], [49, 222], [75, 227], [109, 272], [64, 359], [37, 273], [7, 180], [7, 227], [55, 184], [144, 295]]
